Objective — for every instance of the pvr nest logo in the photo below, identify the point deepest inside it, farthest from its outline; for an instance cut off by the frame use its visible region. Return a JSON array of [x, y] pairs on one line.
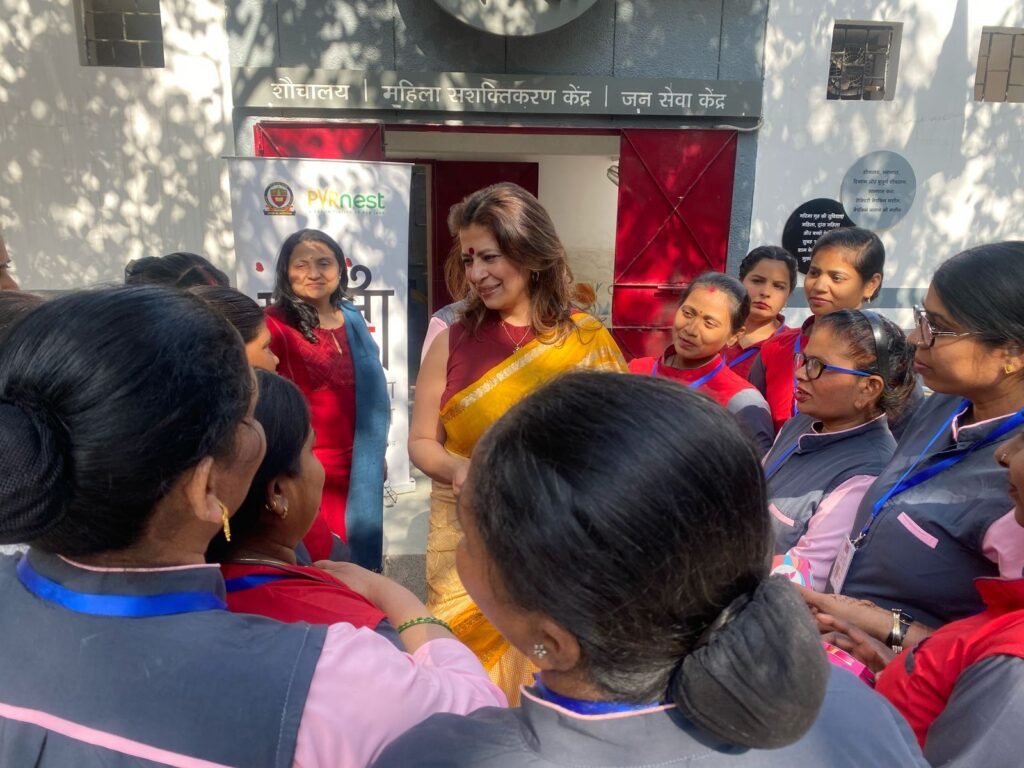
[[332, 200], [280, 200]]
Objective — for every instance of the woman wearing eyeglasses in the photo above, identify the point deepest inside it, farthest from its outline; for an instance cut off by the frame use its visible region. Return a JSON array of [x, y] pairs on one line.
[[855, 373], [845, 272], [940, 515]]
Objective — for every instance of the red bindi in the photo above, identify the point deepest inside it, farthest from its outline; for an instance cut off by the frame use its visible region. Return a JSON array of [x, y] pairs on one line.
[[471, 251], [711, 289]]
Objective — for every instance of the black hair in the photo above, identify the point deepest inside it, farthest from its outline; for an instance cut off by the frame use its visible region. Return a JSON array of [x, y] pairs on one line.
[[771, 253], [237, 308], [868, 251], [176, 270], [282, 410], [671, 598], [298, 313], [14, 306], [106, 398], [730, 286], [894, 361], [983, 289]]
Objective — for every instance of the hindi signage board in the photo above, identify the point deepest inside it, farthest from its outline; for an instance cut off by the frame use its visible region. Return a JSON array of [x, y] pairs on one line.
[[365, 207], [509, 94], [809, 222], [879, 190]]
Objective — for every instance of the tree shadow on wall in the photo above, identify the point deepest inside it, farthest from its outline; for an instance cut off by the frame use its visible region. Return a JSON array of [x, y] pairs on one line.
[[101, 165], [933, 120]]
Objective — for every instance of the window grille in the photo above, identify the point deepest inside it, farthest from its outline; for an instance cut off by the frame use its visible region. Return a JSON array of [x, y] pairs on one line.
[[862, 63]]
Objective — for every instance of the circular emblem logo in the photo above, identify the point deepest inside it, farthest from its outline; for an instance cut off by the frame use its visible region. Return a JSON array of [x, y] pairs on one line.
[[516, 17], [278, 195], [279, 199]]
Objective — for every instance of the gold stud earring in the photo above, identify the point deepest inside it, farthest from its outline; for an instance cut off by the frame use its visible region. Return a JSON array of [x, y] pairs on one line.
[[225, 520], [1008, 369], [284, 508]]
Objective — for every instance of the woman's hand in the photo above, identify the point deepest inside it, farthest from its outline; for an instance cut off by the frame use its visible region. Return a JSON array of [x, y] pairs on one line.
[[355, 577], [874, 654], [398, 603], [459, 475], [868, 617]]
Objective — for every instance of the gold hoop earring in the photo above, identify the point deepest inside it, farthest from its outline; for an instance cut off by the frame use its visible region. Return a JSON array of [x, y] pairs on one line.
[[225, 520]]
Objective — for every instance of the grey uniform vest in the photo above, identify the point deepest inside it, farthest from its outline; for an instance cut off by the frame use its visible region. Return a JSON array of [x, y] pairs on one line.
[[924, 550], [211, 685], [819, 464], [855, 727]]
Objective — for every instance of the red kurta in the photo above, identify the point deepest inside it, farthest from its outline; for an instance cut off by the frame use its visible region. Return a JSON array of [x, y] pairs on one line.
[[721, 387], [740, 359], [777, 357], [293, 593], [325, 374]]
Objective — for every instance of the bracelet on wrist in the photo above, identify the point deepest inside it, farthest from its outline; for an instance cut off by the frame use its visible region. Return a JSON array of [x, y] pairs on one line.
[[423, 620], [900, 628]]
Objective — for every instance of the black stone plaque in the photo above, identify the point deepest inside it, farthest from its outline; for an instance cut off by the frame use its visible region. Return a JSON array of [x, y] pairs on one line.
[[809, 222]]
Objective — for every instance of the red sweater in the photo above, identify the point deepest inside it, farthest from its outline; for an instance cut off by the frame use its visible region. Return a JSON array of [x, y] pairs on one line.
[[920, 680], [721, 387]]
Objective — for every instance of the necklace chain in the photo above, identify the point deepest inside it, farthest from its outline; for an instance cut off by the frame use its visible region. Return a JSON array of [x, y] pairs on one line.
[[515, 344]]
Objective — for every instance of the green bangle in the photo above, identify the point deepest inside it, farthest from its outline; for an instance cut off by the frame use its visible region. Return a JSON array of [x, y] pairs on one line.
[[423, 620]]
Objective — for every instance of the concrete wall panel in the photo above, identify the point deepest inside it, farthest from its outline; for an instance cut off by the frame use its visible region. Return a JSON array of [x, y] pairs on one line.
[[583, 47], [667, 39]]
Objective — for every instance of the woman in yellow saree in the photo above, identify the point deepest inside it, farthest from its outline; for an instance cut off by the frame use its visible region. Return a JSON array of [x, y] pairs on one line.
[[517, 332]]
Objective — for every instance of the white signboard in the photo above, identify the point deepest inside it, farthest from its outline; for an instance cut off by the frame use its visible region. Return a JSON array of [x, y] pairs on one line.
[[365, 207]]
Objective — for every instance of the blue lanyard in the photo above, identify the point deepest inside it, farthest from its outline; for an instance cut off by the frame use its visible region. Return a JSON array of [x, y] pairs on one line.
[[905, 483], [699, 382], [756, 349], [132, 606], [585, 706], [781, 460], [744, 356], [255, 580], [796, 383]]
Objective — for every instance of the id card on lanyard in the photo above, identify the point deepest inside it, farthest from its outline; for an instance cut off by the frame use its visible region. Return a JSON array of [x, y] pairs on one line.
[[911, 478]]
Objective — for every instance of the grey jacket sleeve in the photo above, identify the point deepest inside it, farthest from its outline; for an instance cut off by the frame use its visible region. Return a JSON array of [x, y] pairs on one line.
[[754, 416], [757, 374], [980, 725]]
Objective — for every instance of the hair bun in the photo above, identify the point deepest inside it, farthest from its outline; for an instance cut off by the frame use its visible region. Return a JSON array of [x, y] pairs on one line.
[[31, 474], [760, 678]]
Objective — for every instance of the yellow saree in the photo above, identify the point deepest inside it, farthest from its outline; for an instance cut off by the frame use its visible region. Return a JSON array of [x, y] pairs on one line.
[[466, 416]]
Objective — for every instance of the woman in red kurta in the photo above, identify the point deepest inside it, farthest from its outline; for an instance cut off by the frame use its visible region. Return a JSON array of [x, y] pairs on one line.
[[769, 275], [325, 374], [711, 315], [326, 349]]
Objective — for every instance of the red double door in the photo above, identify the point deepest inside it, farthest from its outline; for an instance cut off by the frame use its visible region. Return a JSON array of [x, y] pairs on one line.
[[674, 210]]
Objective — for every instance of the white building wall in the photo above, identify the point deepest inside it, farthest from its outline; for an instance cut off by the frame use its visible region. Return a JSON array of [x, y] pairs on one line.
[[100, 165], [583, 204], [968, 156]]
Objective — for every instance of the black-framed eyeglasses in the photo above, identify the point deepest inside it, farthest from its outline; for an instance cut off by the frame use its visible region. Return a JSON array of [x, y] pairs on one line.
[[813, 367], [927, 333]]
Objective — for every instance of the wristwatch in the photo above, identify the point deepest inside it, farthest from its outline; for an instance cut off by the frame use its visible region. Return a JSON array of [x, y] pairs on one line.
[[900, 627]]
